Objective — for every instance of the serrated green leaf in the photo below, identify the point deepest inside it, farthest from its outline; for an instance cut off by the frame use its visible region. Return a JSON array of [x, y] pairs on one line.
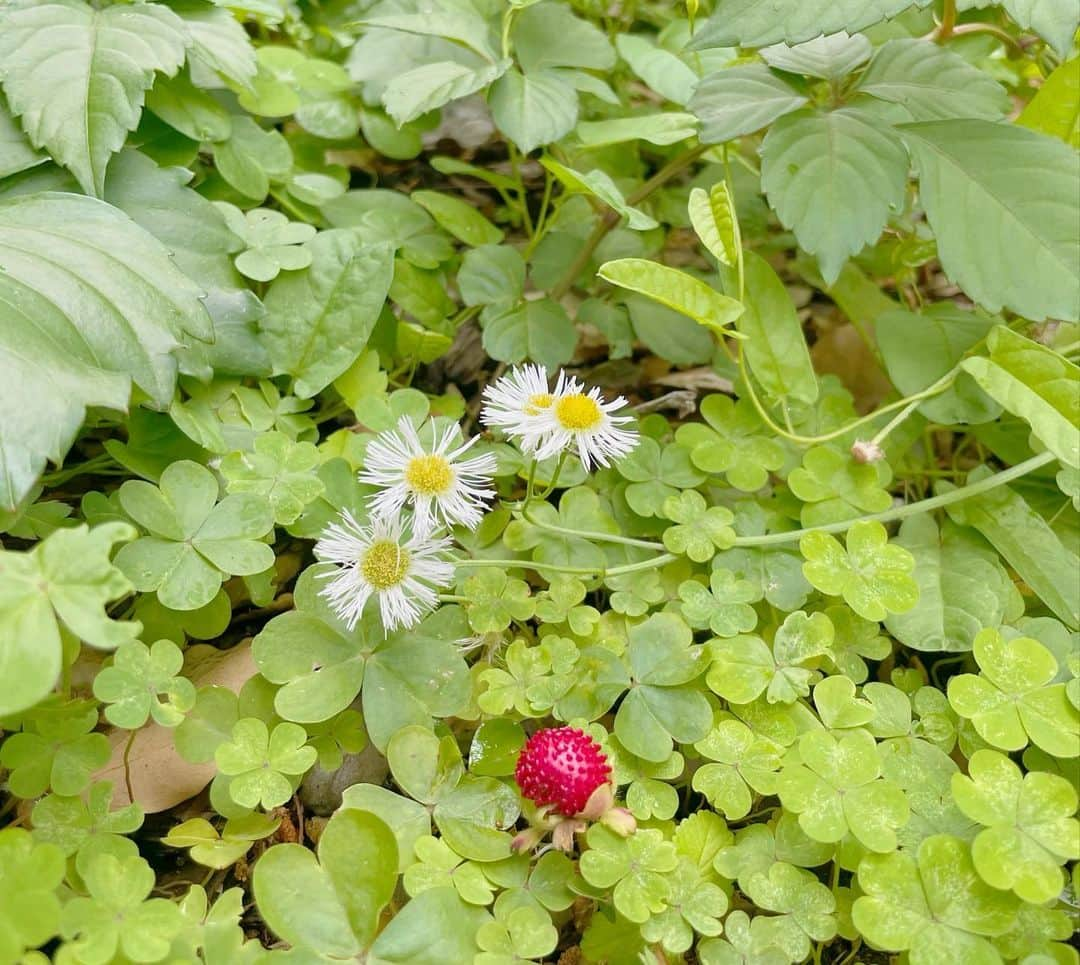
[[1000, 200], [533, 109], [82, 114], [740, 100]]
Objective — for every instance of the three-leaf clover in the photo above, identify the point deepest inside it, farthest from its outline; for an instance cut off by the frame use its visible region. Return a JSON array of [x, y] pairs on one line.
[[835, 487], [663, 705], [744, 667], [655, 473], [745, 763], [272, 242], [439, 866], [694, 905], [932, 905], [872, 574], [71, 823], [534, 679], [262, 762], [60, 753], [279, 469], [496, 600], [30, 873], [1012, 701], [724, 607], [139, 677], [518, 934], [804, 905], [732, 442], [223, 850], [1029, 828], [561, 602], [194, 542], [745, 942], [117, 917], [636, 867], [837, 788], [700, 530]]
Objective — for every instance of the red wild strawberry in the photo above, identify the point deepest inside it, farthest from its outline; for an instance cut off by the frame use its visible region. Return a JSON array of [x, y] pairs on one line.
[[561, 766]]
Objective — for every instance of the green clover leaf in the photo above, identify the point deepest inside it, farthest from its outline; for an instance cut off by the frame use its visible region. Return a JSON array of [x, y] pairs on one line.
[[1012, 701], [856, 641], [543, 884], [439, 866], [1029, 826], [700, 530], [321, 665], [700, 837], [139, 677], [60, 753], [757, 847], [932, 905], [776, 575], [282, 471], [561, 602], [470, 812], [496, 600], [334, 738], [872, 575], [635, 594], [745, 764], [193, 544], [221, 850], [650, 793], [837, 705], [117, 916], [72, 823], [636, 867], [724, 608], [534, 680], [656, 472], [837, 789], [272, 242], [61, 586], [733, 443], [579, 509], [746, 941], [744, 667], [804, 905], [695, 905], [835, 487], [262, 762], [520, 934], [663, 705], [1035, 936], [30, 873]]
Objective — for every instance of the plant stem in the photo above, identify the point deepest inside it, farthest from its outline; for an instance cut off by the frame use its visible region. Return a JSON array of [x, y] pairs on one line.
[[610, 218], [591, 536], [938, 387], [948, 22], [911, 509]]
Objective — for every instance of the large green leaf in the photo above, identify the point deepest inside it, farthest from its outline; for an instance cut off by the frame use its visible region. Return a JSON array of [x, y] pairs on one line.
[[751, 23], [318, 320], [1036, 384], [424, 88], [741, 100], [1055, 20], [1027, 543], [962, 587], [1003, 204], [833, 178], [1055, 108], [16, 152], [775, 346], [89, 302], [537, 330], [533, 109], [77, 76], [932, 83]]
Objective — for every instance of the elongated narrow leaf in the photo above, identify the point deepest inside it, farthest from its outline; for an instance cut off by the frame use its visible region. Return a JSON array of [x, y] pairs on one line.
[[676, 289], [459, 26], [962, 587], [89, 302], [712, 214], [77, 76], [659, 68], [775, 346], [1036, 384], [741, 100], [1003, 204], [655, 128], [318, 320], [1028, 545], [599, 184], [533, 109], [833, 178], [751, 23], [932, 83]]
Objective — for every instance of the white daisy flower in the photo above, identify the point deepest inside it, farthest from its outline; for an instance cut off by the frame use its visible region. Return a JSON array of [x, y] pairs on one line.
[[442, 488], [584, 421], [516, 402], [378, 560]]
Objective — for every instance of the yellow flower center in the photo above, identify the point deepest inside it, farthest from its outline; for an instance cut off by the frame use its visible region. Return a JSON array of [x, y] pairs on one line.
[[384, 564], [577, 412], [537, 403], [429, 475]]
